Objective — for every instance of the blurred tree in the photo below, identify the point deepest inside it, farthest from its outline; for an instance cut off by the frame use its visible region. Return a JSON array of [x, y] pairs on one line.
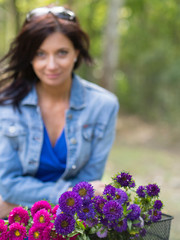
[[111, 40]]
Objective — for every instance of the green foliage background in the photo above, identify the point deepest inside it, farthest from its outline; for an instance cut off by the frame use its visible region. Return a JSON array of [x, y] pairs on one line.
[[147, 79]]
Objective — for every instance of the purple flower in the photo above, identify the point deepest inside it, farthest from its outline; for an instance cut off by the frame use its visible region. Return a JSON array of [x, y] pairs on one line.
[[91, 222], [64, 224], [154, 215], [125, 180], [18, 214], [70, 202], [112, 210], [86, 211], [3, 230], [153, 190], [120, 225], [85, 190], [50, 234], [40, 205], [109, 191], [17, 231], [158, 204], [121, 196], [135, 213], [141, 191], [142, 232], [42, 218], [35, 233], [102, 233], [99, 202]]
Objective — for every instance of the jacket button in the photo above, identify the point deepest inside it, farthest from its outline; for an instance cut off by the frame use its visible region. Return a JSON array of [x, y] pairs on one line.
[[73, 141], [74, 167], [12, 129]]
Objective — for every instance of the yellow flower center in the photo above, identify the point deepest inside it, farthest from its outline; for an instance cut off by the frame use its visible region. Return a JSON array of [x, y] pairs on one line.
[[82, 192], [70, 202], [17, 233], [101, 205], [120, 223], [41, 219], [86, 210], [53, 234], [36, 235], [64, 224], [17, 218]]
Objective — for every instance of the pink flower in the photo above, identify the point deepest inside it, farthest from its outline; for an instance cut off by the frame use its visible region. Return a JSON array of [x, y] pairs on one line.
[[50, 234], [42, 218], [17, 231], [19, 214], [40, 205], [54, 210], [3, 230], [35, 233]]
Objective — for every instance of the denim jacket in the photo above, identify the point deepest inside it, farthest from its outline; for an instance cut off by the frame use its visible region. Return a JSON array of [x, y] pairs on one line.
[[89, 130]]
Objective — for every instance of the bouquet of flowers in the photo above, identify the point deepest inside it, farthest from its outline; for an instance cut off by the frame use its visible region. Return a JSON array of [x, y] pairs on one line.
[[122, 212]]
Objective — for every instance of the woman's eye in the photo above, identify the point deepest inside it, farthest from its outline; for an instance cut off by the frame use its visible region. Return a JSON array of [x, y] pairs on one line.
[[40, 54], [63, 52]]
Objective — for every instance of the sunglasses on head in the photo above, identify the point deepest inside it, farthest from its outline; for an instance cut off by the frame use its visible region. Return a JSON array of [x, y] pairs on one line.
[[59, 12]]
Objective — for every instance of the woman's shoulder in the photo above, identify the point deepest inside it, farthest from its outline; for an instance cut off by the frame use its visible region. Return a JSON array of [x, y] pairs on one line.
[[98, 93]]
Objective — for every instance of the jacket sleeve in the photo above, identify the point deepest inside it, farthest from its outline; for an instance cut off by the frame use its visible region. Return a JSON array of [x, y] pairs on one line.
[[94, 168]]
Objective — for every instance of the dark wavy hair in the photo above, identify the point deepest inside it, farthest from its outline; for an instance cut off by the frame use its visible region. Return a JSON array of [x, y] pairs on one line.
[[17, 75]]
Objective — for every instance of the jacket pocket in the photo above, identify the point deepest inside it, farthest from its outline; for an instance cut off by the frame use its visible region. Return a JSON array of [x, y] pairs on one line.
[[15, 131], [90, 131], [12, 129]]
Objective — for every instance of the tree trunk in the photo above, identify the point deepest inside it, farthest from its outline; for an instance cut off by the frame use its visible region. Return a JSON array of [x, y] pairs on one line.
[[111, 45]]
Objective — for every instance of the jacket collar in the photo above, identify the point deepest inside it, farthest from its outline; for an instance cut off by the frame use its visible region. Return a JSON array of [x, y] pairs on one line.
[[77, 96]]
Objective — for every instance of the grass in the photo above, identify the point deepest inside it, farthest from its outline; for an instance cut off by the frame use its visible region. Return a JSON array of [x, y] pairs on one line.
[[150, 163]]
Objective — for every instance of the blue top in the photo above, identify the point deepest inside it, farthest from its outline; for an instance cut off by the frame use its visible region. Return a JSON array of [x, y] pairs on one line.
[[52, 159]]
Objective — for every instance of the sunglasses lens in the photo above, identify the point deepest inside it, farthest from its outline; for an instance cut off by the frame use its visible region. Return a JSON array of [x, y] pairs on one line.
[[60, 12]]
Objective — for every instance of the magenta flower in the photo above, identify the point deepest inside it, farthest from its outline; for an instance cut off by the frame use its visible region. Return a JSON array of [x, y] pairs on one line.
[[35, 233], [40, 205], [19, 214], [3, 230], [42, 218], [54, 210], [49, 233], [17, 231]]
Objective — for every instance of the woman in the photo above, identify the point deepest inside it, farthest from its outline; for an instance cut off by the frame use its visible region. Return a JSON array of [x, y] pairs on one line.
[[56, 129]]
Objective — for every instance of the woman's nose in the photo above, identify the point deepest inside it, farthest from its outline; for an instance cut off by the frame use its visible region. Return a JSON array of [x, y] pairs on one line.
[[51, 63]]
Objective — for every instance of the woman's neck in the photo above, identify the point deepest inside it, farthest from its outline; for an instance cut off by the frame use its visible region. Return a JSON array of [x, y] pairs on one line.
[[53, 93]]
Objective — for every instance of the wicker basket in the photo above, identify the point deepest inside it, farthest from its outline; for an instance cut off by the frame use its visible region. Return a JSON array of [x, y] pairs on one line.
[[155, 231]]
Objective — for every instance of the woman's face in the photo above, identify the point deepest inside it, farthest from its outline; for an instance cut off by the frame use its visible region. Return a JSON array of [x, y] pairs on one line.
[[54, 60]]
